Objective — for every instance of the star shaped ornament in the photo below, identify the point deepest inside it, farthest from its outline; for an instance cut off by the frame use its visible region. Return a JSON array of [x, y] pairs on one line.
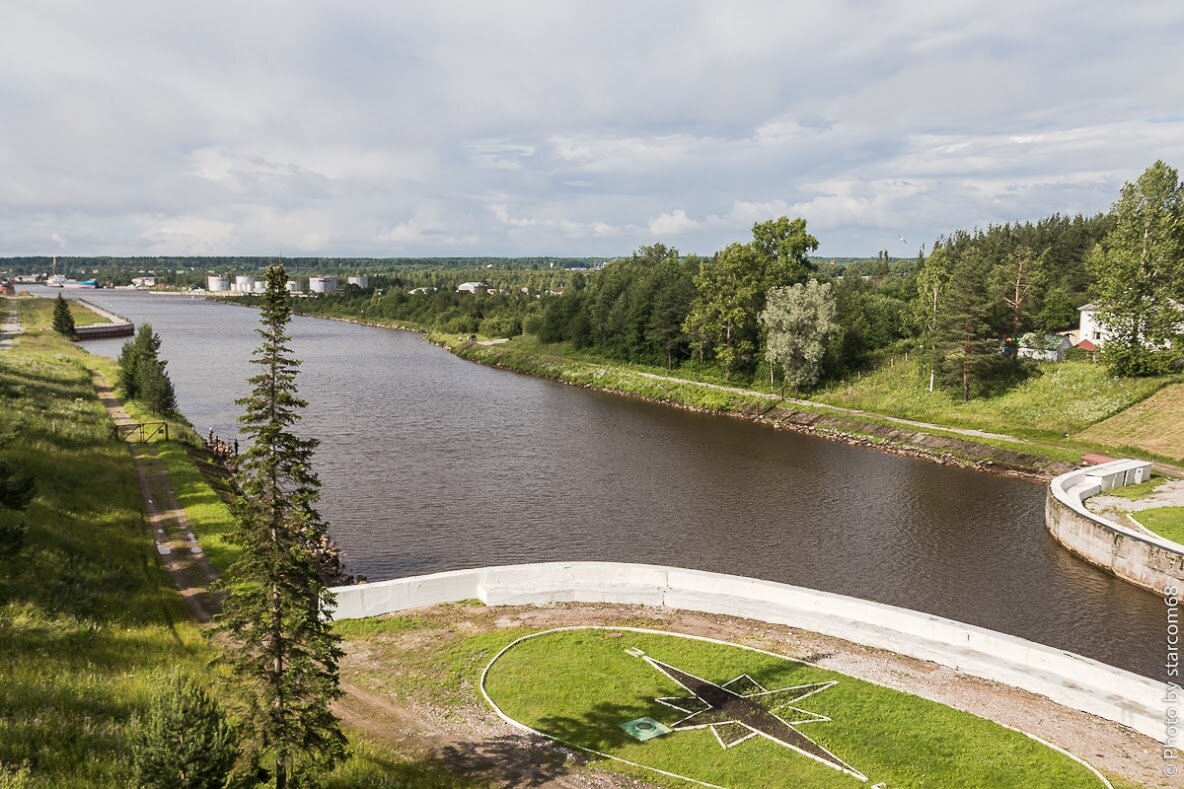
[[741, 709]]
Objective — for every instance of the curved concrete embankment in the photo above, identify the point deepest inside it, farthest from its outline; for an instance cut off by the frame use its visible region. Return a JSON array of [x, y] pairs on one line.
[[1066, 678], [1143, 559]]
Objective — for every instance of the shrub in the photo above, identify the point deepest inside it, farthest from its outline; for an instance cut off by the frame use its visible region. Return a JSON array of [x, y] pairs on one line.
[[183, 740]]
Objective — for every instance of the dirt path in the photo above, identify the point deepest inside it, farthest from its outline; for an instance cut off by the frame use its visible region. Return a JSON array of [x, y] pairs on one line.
[[963, 431], [11, 328], [180, 553]]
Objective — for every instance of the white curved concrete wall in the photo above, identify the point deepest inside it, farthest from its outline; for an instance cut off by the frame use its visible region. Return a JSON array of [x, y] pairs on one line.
[[1143, 559], [1068, 679]]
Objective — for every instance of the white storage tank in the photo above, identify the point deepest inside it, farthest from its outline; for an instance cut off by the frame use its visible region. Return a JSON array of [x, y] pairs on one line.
[[260, 286], [244, 283], [216, 284], [293, 286], [322, 284], [361, 280]]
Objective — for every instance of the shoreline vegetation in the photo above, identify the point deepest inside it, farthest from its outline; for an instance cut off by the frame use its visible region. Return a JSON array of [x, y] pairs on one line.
[[1033, 452]]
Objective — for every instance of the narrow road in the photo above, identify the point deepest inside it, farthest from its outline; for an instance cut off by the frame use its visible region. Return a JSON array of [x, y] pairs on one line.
[[965, 431], [180, 554]]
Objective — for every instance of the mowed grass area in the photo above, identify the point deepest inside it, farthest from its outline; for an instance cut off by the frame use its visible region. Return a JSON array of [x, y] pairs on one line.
[[40, 311], [1164, 521], [580, 685], [1154, 425], [88, 622], [1062, 398]]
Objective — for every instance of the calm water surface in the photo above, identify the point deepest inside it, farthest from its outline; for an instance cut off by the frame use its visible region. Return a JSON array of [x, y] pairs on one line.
[[433, 463]]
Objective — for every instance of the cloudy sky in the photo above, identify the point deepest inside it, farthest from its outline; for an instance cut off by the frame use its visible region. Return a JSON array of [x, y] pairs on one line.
[[568, 128]]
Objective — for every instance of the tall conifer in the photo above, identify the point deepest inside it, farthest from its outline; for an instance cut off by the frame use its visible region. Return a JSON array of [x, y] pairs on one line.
[[276, 613], [63, 319]]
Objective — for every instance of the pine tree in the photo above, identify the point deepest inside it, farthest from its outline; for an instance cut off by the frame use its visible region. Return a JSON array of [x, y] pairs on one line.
[[183, 741], [276, 615], [964, 343], [142, 374], [63, 319]]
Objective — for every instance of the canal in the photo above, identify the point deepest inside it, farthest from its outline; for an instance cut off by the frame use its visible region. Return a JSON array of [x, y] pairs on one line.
[[433, 463]]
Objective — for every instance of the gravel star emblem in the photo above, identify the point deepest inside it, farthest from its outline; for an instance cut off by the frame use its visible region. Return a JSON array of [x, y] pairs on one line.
[[734, 714]]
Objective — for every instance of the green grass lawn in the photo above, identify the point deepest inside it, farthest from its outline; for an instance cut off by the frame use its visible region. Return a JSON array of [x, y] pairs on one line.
[[38, 312], [1062, 398], [1165, 521], [580, 685]]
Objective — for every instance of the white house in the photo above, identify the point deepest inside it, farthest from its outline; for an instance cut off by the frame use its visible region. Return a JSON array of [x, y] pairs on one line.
[[471, 287], [1089, 328]]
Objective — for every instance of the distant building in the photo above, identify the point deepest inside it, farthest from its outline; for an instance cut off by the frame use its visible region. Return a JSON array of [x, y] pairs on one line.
[[1043, 347], [1089, 328], [471, 287], [361, 280], [292, 286], [322, 284], [423, 291]]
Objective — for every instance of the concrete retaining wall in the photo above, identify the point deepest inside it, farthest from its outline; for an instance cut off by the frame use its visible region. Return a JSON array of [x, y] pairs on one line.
[[1143, 559], [118, 325], [1068, 679]]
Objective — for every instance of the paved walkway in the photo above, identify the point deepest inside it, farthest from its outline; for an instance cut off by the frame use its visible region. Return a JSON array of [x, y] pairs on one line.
[[180, 554]]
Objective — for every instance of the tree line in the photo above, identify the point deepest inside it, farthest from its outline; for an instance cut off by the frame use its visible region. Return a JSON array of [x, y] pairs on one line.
[[963, 305]]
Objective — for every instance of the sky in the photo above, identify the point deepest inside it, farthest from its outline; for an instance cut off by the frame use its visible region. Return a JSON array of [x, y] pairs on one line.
[[577, 129]]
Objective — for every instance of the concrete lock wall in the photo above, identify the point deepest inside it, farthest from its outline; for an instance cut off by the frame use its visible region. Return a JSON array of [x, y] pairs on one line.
[[1066, 678], [1146, 560]]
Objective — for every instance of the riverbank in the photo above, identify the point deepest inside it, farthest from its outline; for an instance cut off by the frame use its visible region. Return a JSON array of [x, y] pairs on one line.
[[91, 624], [934, 443]]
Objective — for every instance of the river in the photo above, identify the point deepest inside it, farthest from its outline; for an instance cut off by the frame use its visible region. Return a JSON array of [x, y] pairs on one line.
[[433, 463]]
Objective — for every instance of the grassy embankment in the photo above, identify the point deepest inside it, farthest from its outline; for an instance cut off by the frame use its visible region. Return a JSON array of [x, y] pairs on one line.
[[1048, 412], [89, 623]]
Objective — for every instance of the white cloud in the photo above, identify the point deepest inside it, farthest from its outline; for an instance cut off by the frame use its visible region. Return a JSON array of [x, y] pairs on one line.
[[529, 127], [672, 223]]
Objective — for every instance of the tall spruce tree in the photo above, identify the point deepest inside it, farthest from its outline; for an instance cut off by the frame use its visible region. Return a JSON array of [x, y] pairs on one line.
[[276, 614], [63, 319], [964, 344]]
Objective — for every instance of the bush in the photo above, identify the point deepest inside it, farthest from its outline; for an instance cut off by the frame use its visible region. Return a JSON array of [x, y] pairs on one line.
[[501, 326], [183, 740]]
